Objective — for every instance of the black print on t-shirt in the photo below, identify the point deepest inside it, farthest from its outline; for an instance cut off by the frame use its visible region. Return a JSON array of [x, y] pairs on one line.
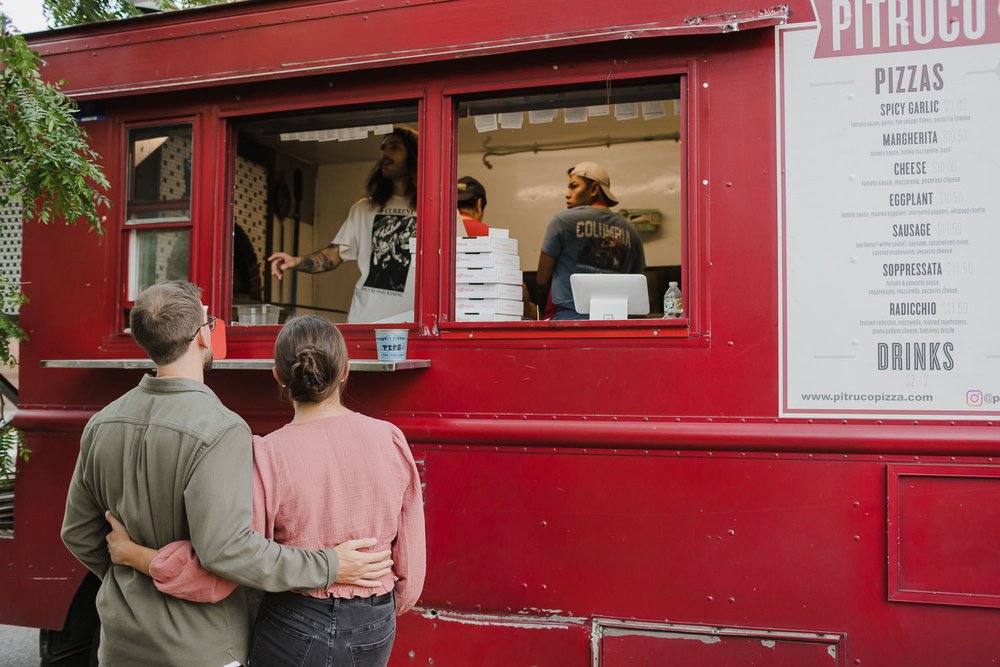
[[390, 261], [603, 254]]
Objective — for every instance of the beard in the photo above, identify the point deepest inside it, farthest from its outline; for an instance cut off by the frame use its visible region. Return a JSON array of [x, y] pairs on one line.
[[206, 360], [393, 170]]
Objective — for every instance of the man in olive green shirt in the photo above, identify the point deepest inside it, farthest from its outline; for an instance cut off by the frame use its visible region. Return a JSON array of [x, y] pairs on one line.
[[173, 463]]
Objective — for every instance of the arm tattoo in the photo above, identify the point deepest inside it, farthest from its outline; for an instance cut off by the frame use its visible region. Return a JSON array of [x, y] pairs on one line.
[[315, 263]]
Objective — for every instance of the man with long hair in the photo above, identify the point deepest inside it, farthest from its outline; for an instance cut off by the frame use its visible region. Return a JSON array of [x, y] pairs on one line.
[[376, 234]]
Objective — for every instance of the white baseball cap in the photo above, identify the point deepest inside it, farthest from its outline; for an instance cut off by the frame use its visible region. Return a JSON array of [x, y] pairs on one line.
[[598, 174]]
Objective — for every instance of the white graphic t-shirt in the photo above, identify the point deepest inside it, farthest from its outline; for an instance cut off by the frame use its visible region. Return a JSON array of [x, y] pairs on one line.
[[378, 238]]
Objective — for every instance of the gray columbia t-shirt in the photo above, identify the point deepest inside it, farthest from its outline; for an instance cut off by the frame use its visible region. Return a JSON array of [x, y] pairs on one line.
[[587, 239]]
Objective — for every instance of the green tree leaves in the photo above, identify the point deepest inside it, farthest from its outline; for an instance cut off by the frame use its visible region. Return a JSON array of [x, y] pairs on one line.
[[46, 162], [75, 12]]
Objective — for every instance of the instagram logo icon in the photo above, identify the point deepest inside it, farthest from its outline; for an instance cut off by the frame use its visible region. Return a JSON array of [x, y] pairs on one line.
[[974, 397]]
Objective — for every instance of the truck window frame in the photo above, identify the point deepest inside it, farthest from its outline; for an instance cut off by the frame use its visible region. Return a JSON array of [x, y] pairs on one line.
[[691, 112], [347, 100], [126, 228]]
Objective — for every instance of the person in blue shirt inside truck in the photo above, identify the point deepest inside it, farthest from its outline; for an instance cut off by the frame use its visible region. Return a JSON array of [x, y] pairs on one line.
[[588, 237]]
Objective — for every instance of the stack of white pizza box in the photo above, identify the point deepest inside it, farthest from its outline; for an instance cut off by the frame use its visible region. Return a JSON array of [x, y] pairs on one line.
[[488, 278]]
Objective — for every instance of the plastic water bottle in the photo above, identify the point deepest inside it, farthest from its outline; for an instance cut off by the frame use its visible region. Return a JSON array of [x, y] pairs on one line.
[[672, 303]]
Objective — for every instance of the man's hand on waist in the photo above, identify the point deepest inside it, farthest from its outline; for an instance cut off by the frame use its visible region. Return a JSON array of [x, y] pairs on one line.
[[362, 568]]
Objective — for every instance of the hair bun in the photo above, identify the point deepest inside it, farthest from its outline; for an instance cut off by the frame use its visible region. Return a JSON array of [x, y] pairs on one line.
[[309, 373], [310, 358]]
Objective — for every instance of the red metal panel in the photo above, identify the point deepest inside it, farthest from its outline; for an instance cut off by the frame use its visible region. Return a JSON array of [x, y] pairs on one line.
[[39, 576], [673, 649], [429, 638], [574, 433], [723, 540], [275, 40], [943, 520], [691, 518], [711, 434]]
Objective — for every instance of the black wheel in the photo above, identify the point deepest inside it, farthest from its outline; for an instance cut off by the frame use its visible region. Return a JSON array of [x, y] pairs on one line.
[[77, 643]]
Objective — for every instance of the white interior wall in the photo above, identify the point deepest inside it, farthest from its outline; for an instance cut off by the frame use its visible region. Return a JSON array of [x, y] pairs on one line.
[[526, 189], [338, 186]]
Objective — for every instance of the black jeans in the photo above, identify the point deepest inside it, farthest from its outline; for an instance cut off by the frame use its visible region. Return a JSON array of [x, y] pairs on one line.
[[299, 631]]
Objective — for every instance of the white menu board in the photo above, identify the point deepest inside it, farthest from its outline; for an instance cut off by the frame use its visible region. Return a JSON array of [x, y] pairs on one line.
[[889, 200]]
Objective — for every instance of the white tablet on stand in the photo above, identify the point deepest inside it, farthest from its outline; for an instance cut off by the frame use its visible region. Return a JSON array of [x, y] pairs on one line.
[[610, 296]]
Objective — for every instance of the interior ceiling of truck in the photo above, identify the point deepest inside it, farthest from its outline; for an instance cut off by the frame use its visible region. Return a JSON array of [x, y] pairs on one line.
[[313, 136], [596, 130]]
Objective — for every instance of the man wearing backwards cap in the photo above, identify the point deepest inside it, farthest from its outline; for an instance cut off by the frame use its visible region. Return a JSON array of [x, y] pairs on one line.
[[471, 206], [586, 238]]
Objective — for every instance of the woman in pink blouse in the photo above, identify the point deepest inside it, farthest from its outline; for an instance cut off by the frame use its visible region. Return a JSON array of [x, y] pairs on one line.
[[329, 476]]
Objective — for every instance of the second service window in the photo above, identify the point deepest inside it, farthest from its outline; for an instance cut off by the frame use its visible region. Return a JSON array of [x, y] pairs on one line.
[[578, 181]]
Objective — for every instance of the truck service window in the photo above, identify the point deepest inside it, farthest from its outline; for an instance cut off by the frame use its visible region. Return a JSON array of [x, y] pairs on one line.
[[619, 213], [158, 210], [303, 181]]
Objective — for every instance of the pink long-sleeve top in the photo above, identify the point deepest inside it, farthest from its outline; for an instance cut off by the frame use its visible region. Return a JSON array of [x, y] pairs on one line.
[[317, 484]]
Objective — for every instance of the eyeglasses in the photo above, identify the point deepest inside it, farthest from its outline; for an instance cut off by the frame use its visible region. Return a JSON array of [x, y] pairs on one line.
[[210, 324]]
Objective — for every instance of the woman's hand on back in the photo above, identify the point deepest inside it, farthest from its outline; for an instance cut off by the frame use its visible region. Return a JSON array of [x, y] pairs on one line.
[[123, 550]]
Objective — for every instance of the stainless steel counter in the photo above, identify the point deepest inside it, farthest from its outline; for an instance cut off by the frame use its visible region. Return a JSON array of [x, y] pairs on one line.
[[364, 365]]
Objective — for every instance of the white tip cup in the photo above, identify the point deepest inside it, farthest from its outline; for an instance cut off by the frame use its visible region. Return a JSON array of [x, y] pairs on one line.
[[391, 344]]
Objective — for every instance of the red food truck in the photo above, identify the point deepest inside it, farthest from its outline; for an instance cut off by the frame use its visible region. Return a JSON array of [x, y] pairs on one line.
[[796, 469]]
